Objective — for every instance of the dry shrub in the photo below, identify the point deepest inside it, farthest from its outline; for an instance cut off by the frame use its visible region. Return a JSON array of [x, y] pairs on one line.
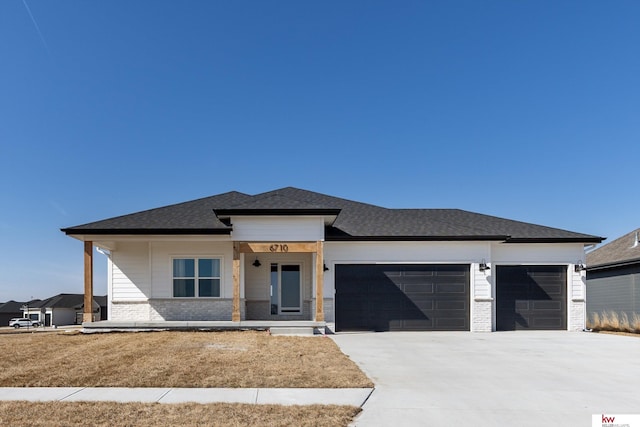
[[635, 323], [594, 322], [612, 321]]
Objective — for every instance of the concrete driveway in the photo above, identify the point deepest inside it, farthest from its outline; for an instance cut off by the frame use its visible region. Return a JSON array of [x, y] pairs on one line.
[[531, 378]]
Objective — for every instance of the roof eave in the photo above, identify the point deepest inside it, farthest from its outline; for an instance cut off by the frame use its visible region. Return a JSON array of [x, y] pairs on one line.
[[412, 238], [589, 239], [614, 264], [142, 231], [288, 212]]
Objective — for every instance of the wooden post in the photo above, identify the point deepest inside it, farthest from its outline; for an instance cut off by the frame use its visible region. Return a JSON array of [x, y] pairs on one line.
[[87, 314], [320, 282], [235, 315]]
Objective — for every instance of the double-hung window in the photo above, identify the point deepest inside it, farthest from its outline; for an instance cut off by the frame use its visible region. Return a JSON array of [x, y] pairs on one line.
[[196, 277]]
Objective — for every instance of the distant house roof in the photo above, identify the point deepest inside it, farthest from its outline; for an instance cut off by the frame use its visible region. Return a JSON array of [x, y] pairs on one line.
[[622, 251], [60, 301], [101, 300], [350, 220], [13, 306]]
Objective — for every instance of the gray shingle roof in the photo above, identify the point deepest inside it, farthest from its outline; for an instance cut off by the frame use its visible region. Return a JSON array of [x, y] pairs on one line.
[[59, 301], [13, 306], [620, 251], [195, 216], [354, 221]]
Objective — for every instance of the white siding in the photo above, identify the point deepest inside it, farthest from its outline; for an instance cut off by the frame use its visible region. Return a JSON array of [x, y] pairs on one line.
[[537, 253], [280, 229], [481, 282], [130, 272], [161, 264]]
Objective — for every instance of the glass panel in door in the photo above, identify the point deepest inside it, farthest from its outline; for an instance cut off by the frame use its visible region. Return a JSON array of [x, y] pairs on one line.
[[290, 294]]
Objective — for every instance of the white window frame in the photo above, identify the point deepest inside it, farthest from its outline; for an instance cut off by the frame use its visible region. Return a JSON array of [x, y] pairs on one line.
[[196, 277]]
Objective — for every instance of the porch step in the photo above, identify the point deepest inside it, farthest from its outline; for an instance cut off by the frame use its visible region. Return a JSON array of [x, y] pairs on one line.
[[292, 330]]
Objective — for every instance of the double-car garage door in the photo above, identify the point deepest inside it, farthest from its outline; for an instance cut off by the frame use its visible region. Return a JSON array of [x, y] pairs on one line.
[[391, 297]]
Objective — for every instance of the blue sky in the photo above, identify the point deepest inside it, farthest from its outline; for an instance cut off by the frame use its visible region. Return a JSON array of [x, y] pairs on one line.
[[528, 110]]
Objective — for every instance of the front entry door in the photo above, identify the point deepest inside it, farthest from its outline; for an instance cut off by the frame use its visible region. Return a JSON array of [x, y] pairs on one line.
[[286, 292]]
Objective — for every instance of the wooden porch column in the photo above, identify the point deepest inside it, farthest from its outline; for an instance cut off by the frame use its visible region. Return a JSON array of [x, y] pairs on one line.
[[235, 315], [320, 281], [87, 314]]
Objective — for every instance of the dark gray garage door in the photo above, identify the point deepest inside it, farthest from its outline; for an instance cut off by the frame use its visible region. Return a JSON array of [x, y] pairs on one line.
[[391, 297], [531, 297]]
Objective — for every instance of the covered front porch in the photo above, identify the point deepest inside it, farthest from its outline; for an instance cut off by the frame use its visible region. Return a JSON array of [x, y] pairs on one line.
[[263, 284]]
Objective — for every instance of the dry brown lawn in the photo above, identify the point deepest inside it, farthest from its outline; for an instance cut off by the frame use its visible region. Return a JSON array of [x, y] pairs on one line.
[[156, 414], [174, 359]]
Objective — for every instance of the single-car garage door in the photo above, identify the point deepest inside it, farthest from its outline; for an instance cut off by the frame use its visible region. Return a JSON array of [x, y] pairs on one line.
[[531, 297], [392, 297]]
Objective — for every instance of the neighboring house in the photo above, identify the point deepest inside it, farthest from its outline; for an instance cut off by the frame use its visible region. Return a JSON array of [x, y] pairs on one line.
[[101, 301], [613, 277], [9, 310], [293, 254], [60, 310]]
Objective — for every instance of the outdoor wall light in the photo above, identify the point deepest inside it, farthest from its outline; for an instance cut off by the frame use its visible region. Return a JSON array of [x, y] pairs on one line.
[[256, 263], [483, 266], [579, 266], [324, 267]]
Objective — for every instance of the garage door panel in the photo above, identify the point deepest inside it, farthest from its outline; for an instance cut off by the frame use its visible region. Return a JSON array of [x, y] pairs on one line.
[[403, 297], [422, 306], [546, 305], [426, 288], [419, 298], [460, 306], [417, 271], [452, 271], [451, 288], [383, 304], [531, 297], [553, 289]]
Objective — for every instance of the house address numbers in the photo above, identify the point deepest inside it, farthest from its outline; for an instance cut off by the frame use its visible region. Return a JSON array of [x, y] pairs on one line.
[[278, 247]]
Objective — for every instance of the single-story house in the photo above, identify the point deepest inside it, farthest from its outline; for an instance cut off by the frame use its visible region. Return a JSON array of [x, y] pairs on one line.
[[613, 277], [292, 254], [60, 310], [10, 310]]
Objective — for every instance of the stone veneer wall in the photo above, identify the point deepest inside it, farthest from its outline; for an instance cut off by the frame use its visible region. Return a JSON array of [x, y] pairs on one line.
[[328, 310], [577, 309], [157, 310], [482, 315], [137, 311]]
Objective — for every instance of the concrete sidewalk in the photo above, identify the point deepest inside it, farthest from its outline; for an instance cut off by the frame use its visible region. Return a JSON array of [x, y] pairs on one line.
[[277, 396]]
